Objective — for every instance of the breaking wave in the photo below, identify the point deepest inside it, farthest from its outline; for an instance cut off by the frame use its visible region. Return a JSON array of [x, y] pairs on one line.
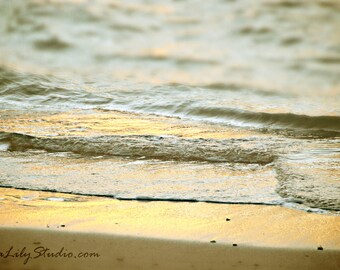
[[152, 147], [27, 91]]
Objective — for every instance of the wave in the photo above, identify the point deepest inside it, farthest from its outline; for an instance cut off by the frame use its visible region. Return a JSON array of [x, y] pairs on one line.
[[288, 120], [238, 87], [151, 147], [23, 89], [171, 100], [52, 43], [303, 181], [154, 57]]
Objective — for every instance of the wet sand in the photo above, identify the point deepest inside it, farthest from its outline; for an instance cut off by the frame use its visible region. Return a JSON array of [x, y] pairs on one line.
[[161, 235]]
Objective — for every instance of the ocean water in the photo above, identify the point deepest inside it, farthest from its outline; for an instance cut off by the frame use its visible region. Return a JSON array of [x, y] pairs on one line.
[[218, 101]]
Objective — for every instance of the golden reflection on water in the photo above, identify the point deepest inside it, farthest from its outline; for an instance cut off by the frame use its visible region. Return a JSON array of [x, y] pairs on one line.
[[80, 123]]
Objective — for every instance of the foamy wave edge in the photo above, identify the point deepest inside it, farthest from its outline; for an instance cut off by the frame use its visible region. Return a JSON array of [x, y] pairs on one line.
[[151, 147]]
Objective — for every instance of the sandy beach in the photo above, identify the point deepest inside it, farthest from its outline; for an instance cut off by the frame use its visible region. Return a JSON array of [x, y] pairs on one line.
[[116, 234]]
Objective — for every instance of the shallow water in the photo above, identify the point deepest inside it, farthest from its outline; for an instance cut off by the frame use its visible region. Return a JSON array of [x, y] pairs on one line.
[[203, 87]]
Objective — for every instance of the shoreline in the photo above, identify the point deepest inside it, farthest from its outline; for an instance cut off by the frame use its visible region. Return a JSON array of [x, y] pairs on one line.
[[163, 235]]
